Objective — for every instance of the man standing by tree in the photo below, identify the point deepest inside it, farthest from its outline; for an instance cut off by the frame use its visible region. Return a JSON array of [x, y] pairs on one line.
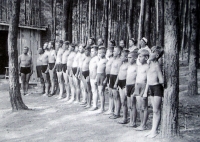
[[26, 69]]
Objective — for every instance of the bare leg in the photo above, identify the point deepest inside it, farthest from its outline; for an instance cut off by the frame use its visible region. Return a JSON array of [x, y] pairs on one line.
[[66, 84], [124, 105], [47, 83], [61, 85], [27, 82], [117, 102], [52, 79], [78, 91], [133, 111], [102, 98], [111, 102], [94, 93], [89, 93], [156, 103], [23, 82], [83, 87]]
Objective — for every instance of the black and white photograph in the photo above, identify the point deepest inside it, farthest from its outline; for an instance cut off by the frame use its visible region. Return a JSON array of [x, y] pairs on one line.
[[99, 71]]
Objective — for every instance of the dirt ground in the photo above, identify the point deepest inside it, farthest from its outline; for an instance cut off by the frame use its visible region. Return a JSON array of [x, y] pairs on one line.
[[54, 120]]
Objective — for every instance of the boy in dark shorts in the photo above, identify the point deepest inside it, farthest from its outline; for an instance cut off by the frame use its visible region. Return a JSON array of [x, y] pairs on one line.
[[140, 86], [155, 84], [121, 84], [130, 87], [113, 76], [101, 76]]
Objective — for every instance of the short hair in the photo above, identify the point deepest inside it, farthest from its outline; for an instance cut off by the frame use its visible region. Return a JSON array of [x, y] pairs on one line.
[[103, 48], [134, 54], [144, 52], [101, 39], [60, 41], [88, 48], [93, 39], [110, 48], [95, 47], [159, 50], [52, 42], [134, 41], [66, 42], [125, 51], [145, 40], [26, 47], [73, 45], [112, 42]]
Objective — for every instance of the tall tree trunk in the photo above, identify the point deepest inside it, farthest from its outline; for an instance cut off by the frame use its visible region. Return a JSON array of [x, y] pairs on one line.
[[160, 22], [147, 21], [90, 19], [66, 6], [170, 125], [106, 5], [192, 84], [130, 19], [70, 21], [14, 86], [141, 20]]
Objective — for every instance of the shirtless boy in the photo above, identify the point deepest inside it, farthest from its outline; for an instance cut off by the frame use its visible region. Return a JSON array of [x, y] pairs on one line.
[[91, 41], [155, 84], [26, 69], [122, 44], [113, 76], [93, 74], [45, 70], [39, 68], [121, 85], [64, 68], [109, 56], [140, 86], [100, 42], [69, 70], [85, 76], [101, 76], [58, 67], [130, 87], [52, 60]]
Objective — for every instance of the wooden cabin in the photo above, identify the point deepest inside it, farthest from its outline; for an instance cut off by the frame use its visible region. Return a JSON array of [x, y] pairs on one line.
[[27, 36]]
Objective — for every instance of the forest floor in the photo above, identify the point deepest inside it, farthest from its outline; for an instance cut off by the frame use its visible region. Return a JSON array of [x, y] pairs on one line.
[[51, 119]]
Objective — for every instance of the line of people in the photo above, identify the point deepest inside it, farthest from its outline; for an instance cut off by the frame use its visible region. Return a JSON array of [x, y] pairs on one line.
[[84, 71]]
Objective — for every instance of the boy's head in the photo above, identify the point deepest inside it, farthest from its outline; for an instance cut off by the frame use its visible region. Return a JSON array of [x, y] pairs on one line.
[[143, 56], [156, 53], [94, 50], [132, 42], [40, 51], [100, 41], [111, 43], [91, 41], [102, 51], [117, 51], [132, 57], [66, 45], [82, 48], [25, 50], [76, 48], [122, 43], [124, 55], [51, 45], [72, 47], [109, 51], [59, 43], [45, 45], [143, 42], [87, 50]]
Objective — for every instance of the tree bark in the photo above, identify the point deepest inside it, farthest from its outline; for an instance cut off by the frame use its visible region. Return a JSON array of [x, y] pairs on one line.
[[106, 2], [170, 125], [14, 86], [130, 19], [192, 83], [147, 21], [159, 22], [90, 19]]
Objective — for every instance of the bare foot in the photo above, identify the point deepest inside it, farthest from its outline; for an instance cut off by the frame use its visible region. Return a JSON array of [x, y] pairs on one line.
[[132, 125], [140, 128], [93, 108], [60, 97], [45, 95], [87, 106], [70, 101], [101, 111], [147, 134], [108, 112], [152, 135]]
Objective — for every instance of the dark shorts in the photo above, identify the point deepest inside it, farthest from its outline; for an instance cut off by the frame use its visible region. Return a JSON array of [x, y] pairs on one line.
[[122, 83], [85, 74], [139, 89], [130, 89], [100, 78], [25, 70], [108, 77], [156, 90], [112, 81], [51, 65], [74, 70], [64, 67], [39, 71], [59, 67], [44, 68]]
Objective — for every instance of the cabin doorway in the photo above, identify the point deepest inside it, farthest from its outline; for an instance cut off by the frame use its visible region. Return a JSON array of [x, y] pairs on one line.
[[3, 51]]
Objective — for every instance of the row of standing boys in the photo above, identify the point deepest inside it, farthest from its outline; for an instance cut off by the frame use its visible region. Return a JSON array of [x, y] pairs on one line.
[[131, 75]]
